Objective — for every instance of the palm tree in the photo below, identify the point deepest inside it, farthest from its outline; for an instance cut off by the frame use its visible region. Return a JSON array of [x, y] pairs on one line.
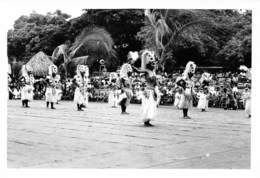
[[91, 45], [165, 31]]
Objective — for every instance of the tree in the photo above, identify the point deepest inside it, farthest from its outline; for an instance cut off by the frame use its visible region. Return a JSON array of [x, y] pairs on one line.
[[90, 46], [122, 24], [237, 50], [164, 28], [35, 33], [199, 35]]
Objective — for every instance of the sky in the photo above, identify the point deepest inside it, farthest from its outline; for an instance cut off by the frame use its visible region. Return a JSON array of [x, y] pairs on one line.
[[74, 12], [13, 9]]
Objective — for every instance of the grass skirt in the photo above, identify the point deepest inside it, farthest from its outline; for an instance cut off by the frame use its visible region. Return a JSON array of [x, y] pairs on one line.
[[50, 95], [27, 92], [80, 98], [149, 105], [248, 107]]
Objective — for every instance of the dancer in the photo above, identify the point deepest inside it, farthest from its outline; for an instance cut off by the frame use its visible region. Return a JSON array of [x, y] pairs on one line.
[[151, 92], [125, 96], [203, 94], [205, 79], [186, 84], [27, 86], [52, 80], [58, 92], [112, 96], [247, 101], [246, 73], [177, 97], [159, 95], [81, 81], [203, 100], [125, 83]]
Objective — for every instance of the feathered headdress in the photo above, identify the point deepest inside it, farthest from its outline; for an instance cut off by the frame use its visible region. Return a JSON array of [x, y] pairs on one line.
[[53, 69], [243, 68], [146, 57], [125, 69], [83, 68], [113, 76], [246, 72], [190, 68], [205, 77], [133, 56]]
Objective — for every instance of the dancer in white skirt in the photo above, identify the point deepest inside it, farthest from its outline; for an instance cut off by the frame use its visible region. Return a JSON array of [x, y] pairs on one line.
[[81, 81], [151, 92], [186, 84], [113, 85], [246, 73], [58, 92], [52, 81], [27, 86], [203, 100], [177, 98], [205, 79], [125, 82], [247, 101]]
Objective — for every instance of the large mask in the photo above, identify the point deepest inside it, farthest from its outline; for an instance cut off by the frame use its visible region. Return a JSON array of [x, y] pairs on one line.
[[189, 69], [82, 69], [132, 56], [148, 60]]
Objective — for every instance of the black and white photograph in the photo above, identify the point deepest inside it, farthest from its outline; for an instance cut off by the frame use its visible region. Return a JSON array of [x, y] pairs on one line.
[[129, 88]]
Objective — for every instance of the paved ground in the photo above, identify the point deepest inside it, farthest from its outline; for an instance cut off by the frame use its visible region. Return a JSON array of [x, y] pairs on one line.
[[100, 137]]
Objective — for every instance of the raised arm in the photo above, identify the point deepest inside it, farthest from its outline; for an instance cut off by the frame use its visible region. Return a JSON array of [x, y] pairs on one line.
[[138, 70]]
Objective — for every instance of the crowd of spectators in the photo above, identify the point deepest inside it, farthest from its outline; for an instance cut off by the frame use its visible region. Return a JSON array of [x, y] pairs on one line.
[[225, 90]]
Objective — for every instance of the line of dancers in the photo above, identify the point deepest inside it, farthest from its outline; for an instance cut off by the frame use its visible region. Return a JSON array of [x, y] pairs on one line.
[[120, 88]]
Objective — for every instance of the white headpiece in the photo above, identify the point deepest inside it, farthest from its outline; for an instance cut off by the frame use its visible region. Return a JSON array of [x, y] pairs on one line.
[[190, 68], [146, 57], [133, 55], [205, 77], [246, 71], [113, 75], [83, 68], [243, 68], [124, 70], [53, 69]]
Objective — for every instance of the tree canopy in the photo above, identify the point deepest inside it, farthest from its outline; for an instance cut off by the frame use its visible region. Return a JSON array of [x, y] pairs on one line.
[[208, 37]]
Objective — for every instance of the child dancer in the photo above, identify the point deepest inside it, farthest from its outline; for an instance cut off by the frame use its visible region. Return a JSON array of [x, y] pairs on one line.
[[27, 88]]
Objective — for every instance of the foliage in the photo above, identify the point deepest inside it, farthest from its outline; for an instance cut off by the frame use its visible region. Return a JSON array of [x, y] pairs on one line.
[[208, 37], [199, 35], [35, 33]]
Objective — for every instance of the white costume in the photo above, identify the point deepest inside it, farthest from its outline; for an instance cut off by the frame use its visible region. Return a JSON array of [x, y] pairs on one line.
[[27, 89], [247, 95], [185, 82], [125, 84], [203, 101], [52, 82], [113, 94], [58, 92], [247, 101], [81, 91], [205, 79], [151, 92], [177, 99], [159, 96]]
